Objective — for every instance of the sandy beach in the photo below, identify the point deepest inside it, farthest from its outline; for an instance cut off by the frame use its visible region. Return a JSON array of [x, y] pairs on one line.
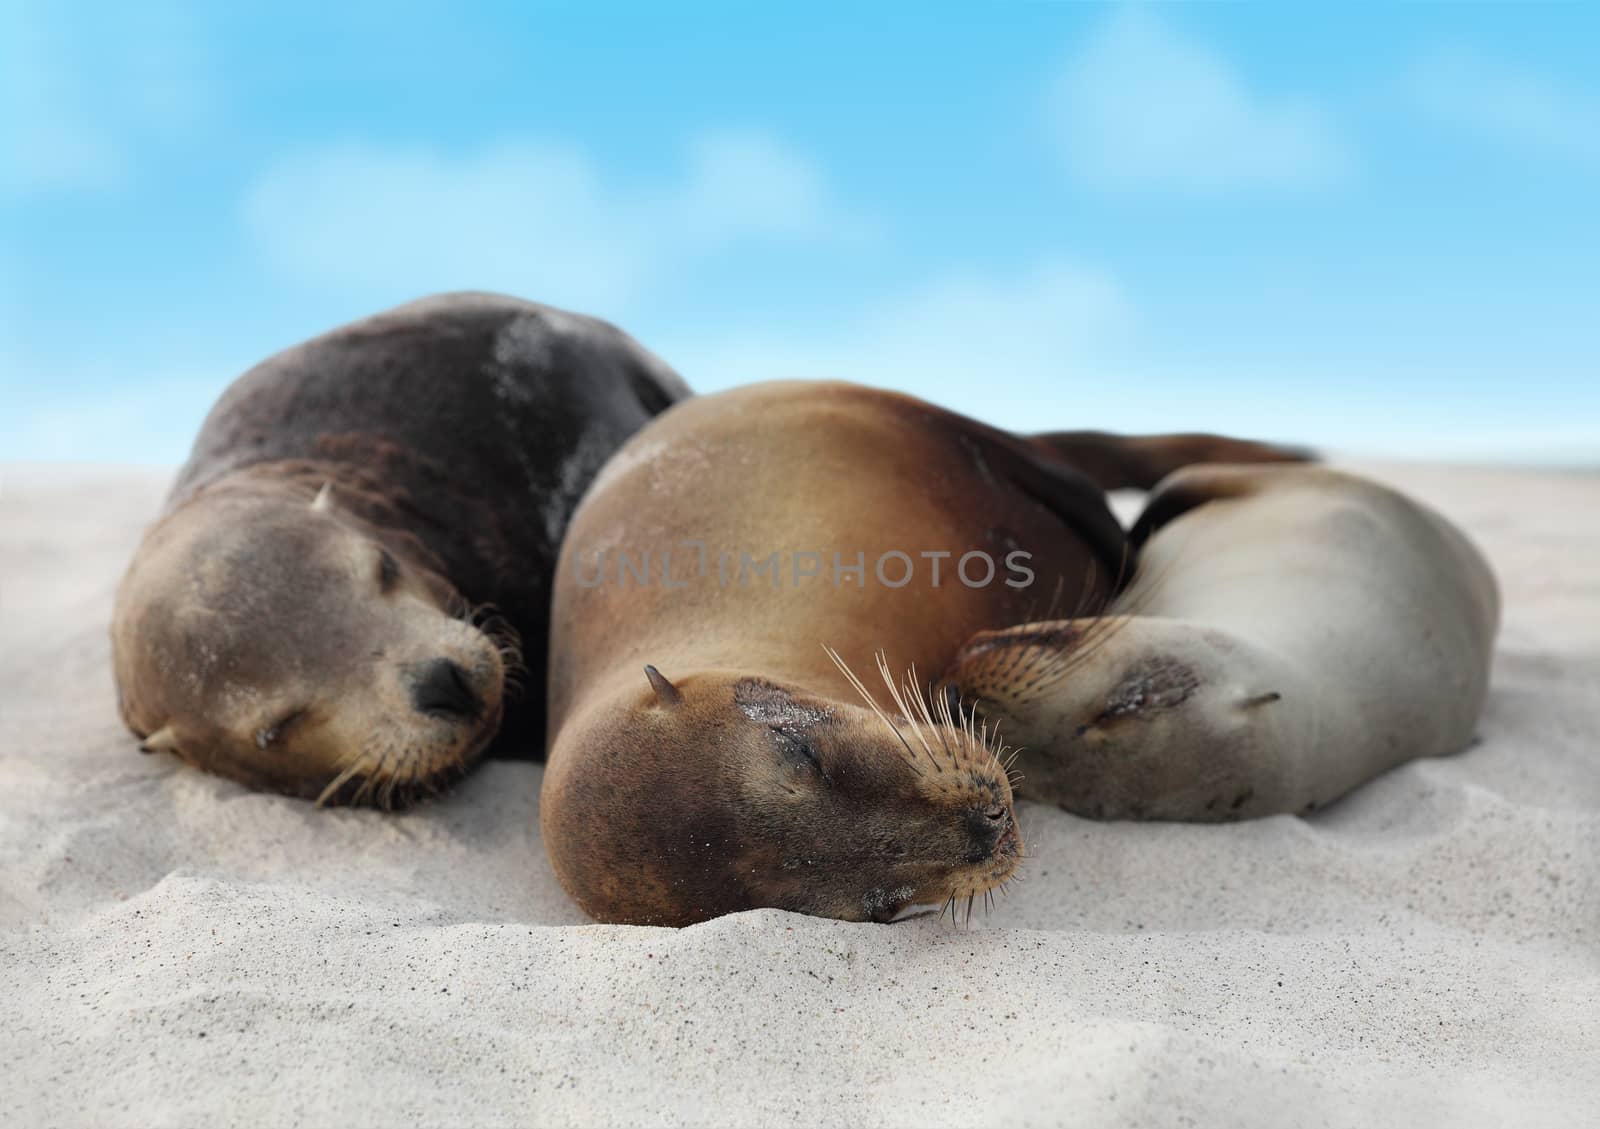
[[176, 950]]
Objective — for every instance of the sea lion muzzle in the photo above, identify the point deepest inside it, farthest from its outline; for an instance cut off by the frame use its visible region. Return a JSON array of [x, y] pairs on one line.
[[988, 828], [444, 689]]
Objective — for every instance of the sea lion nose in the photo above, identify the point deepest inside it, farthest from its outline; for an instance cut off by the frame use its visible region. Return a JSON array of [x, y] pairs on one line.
[[442, 687], [987, 825]]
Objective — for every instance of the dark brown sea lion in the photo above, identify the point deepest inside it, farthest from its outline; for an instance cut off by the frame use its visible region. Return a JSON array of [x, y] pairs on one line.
[[331, 603], [725, 546]]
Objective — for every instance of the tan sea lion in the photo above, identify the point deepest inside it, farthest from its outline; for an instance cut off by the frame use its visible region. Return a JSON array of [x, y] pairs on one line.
[[1291, 633], [333, 598], [746, 766]]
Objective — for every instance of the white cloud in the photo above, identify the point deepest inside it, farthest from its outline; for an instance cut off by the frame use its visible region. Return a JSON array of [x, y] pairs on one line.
[[983, 345], [1061, 345], [529, 217], [1466, 89], [1141, 106], [749, 184]]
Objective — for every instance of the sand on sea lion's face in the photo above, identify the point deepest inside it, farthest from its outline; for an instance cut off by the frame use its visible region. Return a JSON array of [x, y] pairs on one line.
[[290, 646]]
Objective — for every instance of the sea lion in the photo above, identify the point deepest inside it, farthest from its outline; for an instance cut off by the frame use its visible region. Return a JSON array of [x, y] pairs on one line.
[[1291, 632], [707, 754], [331, 602]]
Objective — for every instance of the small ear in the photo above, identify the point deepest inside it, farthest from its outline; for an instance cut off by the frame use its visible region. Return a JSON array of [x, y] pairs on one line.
[[163, 740], [324, 499], [665, 690]]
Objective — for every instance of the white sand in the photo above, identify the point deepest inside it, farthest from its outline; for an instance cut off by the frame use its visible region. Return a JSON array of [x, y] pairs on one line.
[[175, 950]]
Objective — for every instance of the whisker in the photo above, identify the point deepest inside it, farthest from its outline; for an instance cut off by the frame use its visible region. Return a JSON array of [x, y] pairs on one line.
[[913, 690], [502, 635], [905, 711], [1102, 626], [340, 780], [860, 687], [388, 791]]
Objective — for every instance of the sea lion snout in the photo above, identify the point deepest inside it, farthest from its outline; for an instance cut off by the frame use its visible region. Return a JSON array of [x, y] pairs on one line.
[[989, 827], [719, 791], [443, 688]]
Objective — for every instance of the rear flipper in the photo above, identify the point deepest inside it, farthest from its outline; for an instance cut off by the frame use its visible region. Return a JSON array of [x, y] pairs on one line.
[[1133, 717], [1138, 462]]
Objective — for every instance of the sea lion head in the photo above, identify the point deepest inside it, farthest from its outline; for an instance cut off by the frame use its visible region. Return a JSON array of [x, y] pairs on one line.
[[727, 791], [1141, 717], [270, 635]]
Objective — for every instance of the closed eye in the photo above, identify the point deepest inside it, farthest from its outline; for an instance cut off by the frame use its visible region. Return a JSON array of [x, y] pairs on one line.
[[799, 751], [274, 734], [388, 571]]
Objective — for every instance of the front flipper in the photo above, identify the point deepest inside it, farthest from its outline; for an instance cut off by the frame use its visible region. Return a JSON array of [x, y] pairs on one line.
[[1135, 717], [1192, 487], [1138, 462]]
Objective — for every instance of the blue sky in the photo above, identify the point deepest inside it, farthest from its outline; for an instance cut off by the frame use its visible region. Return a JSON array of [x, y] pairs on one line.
[[1368, 227]]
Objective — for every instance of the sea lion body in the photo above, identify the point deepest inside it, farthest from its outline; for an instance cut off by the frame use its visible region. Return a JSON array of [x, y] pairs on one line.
[[366, 524], [1291, 632], [750, 771], [788, 468]]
